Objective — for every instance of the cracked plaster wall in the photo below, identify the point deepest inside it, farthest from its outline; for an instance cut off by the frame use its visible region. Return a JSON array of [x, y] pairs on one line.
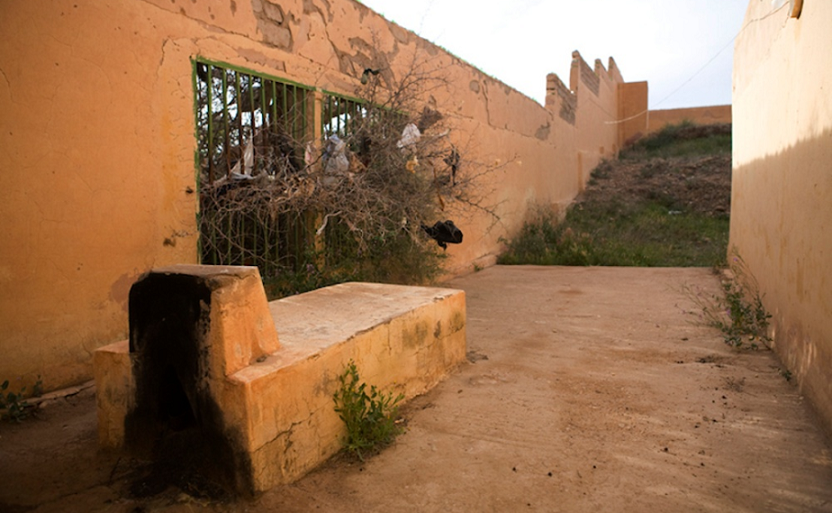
[[97, 138]]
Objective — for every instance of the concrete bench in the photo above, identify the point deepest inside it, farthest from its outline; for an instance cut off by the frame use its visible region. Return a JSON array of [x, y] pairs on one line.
[[260, 408]]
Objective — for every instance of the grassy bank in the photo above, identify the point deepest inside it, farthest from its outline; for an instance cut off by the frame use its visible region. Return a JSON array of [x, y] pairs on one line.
[[665, 202]]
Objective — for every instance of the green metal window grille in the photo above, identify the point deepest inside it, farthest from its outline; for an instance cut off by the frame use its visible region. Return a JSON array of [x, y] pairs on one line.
[[236, 109], [251, 126], [248, 126], [341, 116]]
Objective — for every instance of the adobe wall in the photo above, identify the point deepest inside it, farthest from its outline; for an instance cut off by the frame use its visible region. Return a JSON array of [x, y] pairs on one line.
[[636, 121], [782, 185], [658, 119], [596, 117], [632, 112], [97, 146]]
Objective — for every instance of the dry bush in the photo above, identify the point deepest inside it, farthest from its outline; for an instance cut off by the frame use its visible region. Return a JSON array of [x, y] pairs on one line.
[[351, 207]]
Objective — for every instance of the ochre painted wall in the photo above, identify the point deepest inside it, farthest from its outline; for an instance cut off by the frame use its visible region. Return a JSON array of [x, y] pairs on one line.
[[96, 153], [636, 121], [781, 207], [596, 116], [658, 119], [632, 112], [97, 146]]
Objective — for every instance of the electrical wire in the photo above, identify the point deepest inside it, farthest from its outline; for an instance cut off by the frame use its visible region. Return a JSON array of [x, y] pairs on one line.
[[697, 72]]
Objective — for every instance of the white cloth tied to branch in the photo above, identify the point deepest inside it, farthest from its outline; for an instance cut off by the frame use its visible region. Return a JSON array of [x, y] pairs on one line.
[[410, 136], [247, 160], [335, 155]]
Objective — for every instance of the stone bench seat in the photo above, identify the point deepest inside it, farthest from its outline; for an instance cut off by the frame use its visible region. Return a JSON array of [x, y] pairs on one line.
[[276, 405]]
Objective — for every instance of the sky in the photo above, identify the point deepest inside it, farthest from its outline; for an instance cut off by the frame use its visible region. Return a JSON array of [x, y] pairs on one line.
[[682, 48]]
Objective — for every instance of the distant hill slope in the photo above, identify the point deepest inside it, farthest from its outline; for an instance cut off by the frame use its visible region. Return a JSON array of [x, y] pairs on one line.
[[664, 202]]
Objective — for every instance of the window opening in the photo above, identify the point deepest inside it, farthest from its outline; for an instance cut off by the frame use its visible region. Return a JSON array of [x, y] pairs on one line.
[[249, 128]]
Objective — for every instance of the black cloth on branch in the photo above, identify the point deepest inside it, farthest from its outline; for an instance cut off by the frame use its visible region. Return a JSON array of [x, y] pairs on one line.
[[444, 233]]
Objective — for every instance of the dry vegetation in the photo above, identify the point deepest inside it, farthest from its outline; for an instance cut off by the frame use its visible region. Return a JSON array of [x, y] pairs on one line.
[[664, 202], [353, 206]]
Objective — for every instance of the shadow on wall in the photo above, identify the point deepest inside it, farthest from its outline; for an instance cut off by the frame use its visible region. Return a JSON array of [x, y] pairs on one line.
[[781, 207]]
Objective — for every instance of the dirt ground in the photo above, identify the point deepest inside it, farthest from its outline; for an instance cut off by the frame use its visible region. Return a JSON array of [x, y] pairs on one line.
[[587, 389], [699, 183]]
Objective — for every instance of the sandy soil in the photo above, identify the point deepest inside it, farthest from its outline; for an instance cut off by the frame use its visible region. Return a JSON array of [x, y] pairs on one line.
[[587, 389]]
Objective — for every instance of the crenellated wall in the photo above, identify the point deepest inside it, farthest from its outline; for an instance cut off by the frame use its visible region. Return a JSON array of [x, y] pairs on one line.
[[97, 146], [596, 117]]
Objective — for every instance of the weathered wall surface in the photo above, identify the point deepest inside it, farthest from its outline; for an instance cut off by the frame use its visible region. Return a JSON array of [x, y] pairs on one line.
[[658, 119], [782, 183], [636, 121], [596, 120], [632, 112], [97, 155], [97, 145]]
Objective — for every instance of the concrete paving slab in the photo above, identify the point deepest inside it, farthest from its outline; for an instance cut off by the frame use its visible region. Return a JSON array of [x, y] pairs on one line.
[[587, 389]]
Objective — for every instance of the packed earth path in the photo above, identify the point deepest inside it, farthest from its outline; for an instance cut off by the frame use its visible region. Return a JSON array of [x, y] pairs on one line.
[[586, 389]]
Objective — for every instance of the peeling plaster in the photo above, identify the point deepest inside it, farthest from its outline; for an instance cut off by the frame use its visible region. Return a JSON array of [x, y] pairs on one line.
[[401, 34], [261, 59], [120, 289], [277, 36], [309, 7], [366, 56], [429, 47], [171, 240], [272, 11], [487, 107], [543, 132], [273, 23]]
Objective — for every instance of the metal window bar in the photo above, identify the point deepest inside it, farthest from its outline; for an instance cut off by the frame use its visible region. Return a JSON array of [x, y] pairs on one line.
[[341, 116], [236, 108]]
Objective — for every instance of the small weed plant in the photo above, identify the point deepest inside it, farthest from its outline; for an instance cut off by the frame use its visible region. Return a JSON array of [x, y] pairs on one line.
[[739, 312], [370, 418], [14, 406]]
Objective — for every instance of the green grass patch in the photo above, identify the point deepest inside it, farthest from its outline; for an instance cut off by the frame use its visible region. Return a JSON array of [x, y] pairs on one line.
[[715, 144], [645, 235], [641, 210], [683, 139]]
